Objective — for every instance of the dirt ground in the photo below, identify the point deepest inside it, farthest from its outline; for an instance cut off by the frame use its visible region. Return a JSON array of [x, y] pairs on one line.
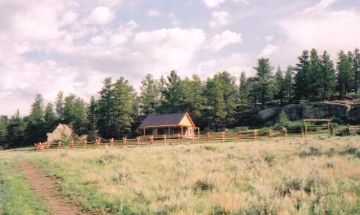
[[47, 188]]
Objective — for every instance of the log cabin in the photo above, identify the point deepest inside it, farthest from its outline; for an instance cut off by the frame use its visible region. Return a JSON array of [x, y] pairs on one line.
[[174, 125]]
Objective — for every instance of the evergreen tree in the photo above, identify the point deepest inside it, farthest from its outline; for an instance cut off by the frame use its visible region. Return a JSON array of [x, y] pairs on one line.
[[243, 91], [356, 70], [303, 76], [264, 81], [106, 114], [59, 106], [193, 98], [221, 93], [16, 131], [3, 132], [149, 95], [280, 86], [289, 84], [124, 106], [315, 76], [327, 77], [173, 94], [92, 117], [35, 129], [344, 74], [50, 118]]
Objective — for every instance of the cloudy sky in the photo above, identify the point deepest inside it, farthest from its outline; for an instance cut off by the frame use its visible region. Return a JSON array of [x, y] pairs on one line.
[[72, 45]]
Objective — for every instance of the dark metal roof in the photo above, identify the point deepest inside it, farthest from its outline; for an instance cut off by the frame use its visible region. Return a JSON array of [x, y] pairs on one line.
[[162, 120]]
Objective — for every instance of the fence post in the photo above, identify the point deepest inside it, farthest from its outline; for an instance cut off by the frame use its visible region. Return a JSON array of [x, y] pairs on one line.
[[208, 135], [59, 145], [223, 136], [349, 129], [112, 142], [97, 143], [165, 140], [255, 134], [193, 139], [138, 140], [270, 130], [151, 139], [331, 129], [306, 130], [72, 144], [85, 144], [124, 140], [285, 132]]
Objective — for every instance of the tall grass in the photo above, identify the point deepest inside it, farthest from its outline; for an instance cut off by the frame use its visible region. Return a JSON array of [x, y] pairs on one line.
[[16, 195], [318, 175]]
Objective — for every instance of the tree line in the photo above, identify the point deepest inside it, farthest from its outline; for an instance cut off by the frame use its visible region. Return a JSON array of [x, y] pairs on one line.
[[214, 103]]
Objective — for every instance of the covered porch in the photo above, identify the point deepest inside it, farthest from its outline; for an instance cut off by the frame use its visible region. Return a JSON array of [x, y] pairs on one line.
[[175, 131]]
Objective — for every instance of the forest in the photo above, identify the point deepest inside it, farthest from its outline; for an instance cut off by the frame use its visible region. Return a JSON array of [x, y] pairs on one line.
[[214, 103]]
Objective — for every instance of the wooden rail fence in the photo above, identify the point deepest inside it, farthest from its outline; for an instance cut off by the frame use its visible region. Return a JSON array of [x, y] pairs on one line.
[[220, 137]]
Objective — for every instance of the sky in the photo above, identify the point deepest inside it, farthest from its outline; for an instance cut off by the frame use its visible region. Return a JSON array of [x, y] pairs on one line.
[[47, 46]]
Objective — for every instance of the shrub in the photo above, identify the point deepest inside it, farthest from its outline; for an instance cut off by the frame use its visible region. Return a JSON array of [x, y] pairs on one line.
[[283, 119], [312, 151], [242, 128], [269, 159], [203, 186]]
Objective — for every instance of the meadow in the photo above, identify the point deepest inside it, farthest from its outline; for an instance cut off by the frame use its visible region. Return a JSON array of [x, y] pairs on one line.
[[292, 175]]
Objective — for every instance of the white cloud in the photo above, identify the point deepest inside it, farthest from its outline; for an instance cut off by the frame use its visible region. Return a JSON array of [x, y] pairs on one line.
[[153, 12], [170, 47], [219, 19], [269, 38], [235, 63], [268, 50], [213, 3], [321, 6], [219, 41], [101, 15], [330, 31]]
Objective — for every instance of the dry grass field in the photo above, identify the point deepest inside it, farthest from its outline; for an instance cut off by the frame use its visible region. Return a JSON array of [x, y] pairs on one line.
[[316, 175]]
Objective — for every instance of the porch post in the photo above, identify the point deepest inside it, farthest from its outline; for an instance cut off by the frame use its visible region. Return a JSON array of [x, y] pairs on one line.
[[182, 131], [144, 133]]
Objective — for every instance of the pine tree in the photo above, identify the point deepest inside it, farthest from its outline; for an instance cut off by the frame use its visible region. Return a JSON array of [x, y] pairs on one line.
[[106, 120], [50, 118], [356, 70], [280, 86], [243, 91], [124, 106], [16, 131], [149, 95], [3, 132], [264, 81], [92, 118], [59, 106], [35, 129], [302, 77], [221, 96], [173, 95], [289, 84], [327, 77], [344, 74], [315, 76]]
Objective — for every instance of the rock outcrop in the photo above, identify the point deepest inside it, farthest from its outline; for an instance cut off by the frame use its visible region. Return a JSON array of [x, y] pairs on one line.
[[336, 109], [61, 133]]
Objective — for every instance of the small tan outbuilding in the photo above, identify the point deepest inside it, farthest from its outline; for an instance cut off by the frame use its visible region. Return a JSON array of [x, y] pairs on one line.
[[172, 125]]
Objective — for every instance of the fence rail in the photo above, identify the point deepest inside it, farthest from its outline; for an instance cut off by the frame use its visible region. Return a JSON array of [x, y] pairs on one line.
[[220, 137]]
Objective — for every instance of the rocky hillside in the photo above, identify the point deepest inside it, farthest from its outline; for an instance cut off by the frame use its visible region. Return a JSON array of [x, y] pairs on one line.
[[342, 109]]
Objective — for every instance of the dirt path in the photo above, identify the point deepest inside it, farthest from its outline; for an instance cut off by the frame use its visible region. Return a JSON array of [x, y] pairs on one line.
[[47, 187]]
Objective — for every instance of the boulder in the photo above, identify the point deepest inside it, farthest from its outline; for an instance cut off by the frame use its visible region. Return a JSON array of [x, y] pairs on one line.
[[61, 133]]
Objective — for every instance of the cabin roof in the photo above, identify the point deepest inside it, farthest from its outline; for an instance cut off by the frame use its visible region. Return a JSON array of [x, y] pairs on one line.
[[163, 120]]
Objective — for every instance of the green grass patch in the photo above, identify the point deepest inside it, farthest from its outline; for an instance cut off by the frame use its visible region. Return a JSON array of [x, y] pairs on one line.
[[16, 195], [85, 193]]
